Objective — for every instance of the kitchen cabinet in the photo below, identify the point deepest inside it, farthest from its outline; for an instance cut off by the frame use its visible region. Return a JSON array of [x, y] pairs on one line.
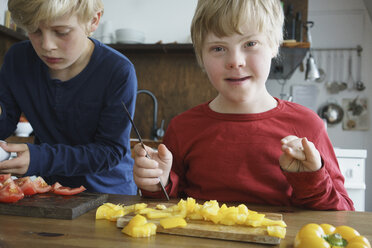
[[352, 166]]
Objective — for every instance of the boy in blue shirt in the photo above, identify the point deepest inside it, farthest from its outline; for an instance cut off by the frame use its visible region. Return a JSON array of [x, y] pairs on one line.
[[70, 88]]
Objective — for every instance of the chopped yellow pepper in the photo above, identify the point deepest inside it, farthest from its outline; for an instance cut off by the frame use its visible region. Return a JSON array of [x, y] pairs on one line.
[[110, 212], [138, 227], [161, 207], [276, 231], [174, 216], [158, 214], [173, 222]]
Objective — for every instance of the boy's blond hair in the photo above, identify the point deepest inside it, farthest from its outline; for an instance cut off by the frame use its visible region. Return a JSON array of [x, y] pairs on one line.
[[226, 17], [28, 14]]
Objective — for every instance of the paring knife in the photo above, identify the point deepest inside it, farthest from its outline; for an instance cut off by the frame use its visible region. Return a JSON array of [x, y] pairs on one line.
[[143, 146]]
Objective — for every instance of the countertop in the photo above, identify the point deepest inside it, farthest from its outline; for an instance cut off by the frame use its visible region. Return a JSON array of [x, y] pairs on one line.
[[85, 231]]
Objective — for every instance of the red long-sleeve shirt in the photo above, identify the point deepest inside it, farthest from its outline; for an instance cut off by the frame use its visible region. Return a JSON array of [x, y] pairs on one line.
[[235, 157]]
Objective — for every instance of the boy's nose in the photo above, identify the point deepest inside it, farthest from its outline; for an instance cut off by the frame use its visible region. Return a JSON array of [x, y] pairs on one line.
[[236, 60], [47, 43]]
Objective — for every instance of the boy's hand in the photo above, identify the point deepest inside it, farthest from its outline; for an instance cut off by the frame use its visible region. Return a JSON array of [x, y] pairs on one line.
[[299, 155], [17, 166], [147, 171]]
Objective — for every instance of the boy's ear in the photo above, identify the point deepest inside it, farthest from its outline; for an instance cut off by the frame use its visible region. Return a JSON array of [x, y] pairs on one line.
[[95, 22]]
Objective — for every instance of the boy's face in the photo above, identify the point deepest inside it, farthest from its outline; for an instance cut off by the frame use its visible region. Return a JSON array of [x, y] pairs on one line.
[[61, 44], [238, 65]]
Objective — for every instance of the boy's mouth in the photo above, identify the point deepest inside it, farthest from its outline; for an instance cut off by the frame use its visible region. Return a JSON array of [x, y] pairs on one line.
[[52, 59], [237, 79]]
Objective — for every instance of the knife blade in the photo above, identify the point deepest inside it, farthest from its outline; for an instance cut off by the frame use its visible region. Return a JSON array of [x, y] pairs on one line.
[[143, 146]]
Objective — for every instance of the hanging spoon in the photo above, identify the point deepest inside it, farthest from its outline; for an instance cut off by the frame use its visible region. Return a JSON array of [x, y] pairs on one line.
[[350, 81], [322, 74], [342, 83], [359, 85]]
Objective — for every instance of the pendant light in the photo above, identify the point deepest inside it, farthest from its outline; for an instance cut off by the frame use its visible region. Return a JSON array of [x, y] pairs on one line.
[[312, 72]]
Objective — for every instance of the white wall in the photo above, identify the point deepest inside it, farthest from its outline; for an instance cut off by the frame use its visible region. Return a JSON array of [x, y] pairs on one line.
[[161, 20], [3, 8]]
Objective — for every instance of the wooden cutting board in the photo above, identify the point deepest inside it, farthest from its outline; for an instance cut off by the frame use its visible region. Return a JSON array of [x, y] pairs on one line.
[[205, 229], [54, 206]]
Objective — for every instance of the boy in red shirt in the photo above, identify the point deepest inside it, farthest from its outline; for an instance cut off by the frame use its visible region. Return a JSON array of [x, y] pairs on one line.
[[244, 145]]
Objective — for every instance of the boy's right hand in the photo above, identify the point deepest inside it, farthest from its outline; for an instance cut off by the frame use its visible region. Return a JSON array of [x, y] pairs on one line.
[[146, 171]]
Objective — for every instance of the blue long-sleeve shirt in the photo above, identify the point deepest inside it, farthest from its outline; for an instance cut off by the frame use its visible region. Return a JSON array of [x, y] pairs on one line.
[[80, 126]]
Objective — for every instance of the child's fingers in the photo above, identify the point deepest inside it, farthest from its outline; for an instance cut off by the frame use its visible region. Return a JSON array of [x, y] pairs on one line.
[[165, 155], [294, 150], [15, 147], [142, 182], [147, 173], [288, 139], [285, 160], [139, 151], [313, 160]]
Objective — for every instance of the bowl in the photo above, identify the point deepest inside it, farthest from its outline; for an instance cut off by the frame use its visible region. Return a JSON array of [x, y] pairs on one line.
[[4, 155], [24, 129], [129, 36]]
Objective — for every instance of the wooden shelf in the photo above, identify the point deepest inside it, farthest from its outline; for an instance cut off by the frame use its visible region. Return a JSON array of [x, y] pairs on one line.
[[154, 48], [12, 34], [289, 44], [179, 47]]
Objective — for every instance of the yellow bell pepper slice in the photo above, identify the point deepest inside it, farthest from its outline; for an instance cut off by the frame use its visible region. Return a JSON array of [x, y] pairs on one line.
[[173, 222], [254, 219], [158, 214], [161, 207], [138, 227], [276, 231]]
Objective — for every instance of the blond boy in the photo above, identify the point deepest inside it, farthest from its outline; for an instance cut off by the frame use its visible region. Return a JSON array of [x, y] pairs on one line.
[[70, 88], [243, 145]]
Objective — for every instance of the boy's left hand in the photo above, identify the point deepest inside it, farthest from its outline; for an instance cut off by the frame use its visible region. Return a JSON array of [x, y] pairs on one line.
[[299, 155], [17, 166]]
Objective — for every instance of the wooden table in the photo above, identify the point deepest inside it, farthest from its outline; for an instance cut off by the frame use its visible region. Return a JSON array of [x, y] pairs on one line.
[[85, 231]]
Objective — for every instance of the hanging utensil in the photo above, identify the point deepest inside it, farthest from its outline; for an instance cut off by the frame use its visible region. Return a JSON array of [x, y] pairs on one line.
[[332, 86], [359, 85], [143, 146], [322, 74], [350, 81], [342, 82]]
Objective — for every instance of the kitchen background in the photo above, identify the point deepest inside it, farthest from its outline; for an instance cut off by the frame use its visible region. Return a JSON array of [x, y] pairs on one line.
[[340, 26]]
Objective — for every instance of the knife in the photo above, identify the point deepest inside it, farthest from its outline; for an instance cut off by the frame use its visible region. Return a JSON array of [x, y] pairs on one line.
[[143, 146]]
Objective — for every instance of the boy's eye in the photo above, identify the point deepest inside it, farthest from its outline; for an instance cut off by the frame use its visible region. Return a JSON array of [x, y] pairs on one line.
[[251, 44], [217, 49], [62, 32]]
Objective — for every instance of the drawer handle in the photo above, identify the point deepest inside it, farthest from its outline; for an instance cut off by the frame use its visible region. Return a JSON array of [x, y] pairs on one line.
[[349, 173]]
